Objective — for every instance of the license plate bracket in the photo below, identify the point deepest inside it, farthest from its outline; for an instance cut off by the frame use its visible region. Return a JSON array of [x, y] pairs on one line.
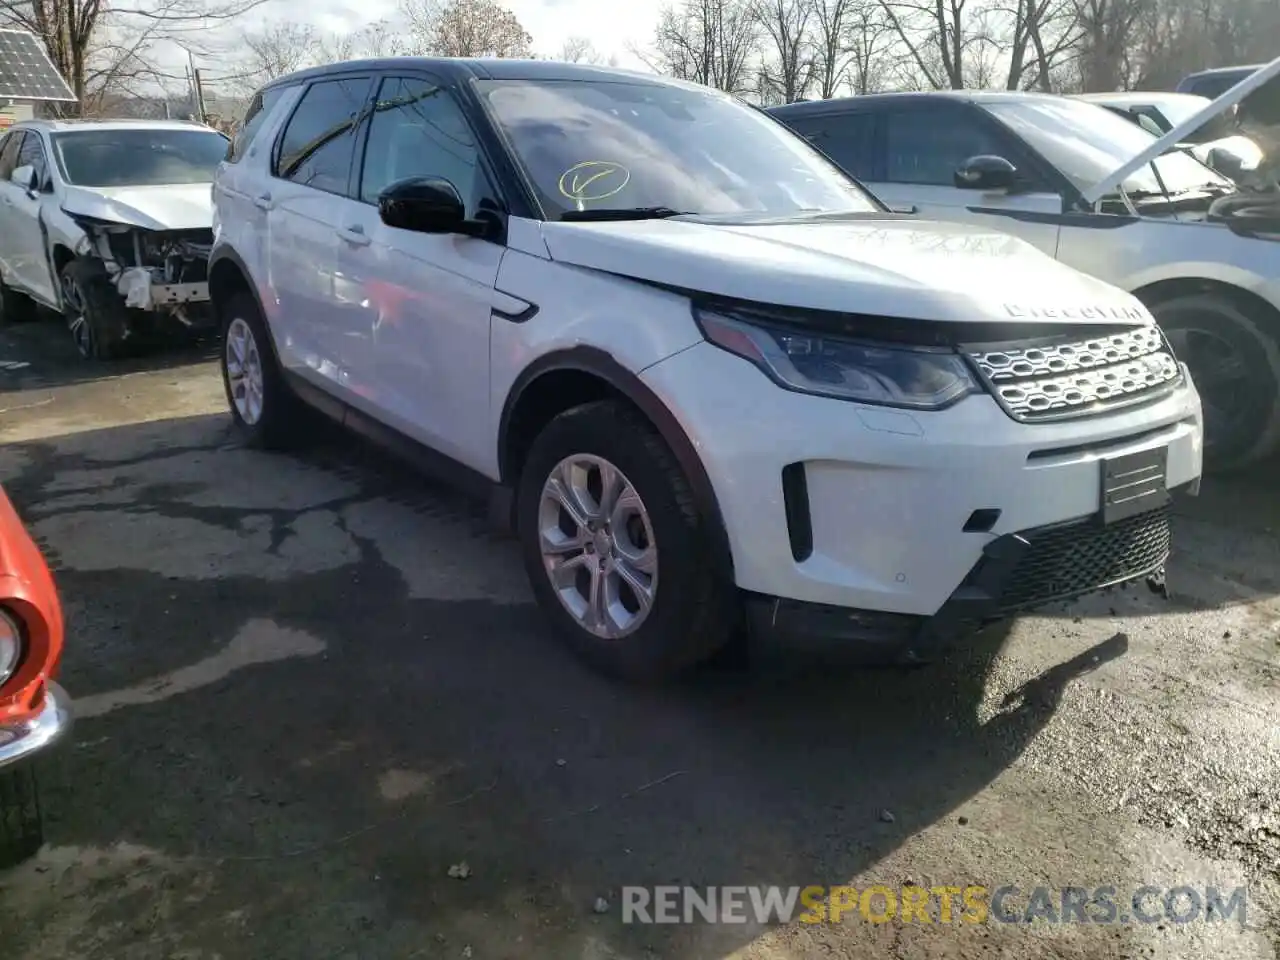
[[1134, 483]]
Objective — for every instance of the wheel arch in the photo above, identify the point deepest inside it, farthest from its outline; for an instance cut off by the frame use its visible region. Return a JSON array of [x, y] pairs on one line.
[[229, 275], [568, 378], [1162, 291]]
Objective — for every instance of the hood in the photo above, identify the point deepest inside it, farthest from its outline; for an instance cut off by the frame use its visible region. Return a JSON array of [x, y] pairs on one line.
[[183, 206], [1180, 132], [881, 265]]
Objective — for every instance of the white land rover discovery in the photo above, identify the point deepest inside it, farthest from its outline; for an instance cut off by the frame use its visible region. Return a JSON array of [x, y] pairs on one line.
[[706, 376]]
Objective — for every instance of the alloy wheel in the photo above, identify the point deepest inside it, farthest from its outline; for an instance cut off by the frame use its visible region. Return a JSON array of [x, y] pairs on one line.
[[597, 546], [73, 306], [244, 371]]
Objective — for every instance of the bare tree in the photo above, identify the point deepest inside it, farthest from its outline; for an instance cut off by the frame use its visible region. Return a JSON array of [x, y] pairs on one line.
[[788, 63], [939, 37], [279, 48], [101, 47], [466, 28], [708, 41], [868, 38]]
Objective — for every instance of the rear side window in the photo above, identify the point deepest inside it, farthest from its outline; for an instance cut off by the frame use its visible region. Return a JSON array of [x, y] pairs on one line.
[[262, 103], [927, 146], [848, 139], [9, 153], [318, 142]]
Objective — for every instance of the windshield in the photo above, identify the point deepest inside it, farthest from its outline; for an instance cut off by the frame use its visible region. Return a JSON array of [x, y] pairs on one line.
[[605, 145], [137, 158], [1178, 110], [1087, 142]]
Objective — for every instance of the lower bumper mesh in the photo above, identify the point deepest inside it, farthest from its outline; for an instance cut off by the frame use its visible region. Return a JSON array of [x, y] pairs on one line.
[[1073, 559]]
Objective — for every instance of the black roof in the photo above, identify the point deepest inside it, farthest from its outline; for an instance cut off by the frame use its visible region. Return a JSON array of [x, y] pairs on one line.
[[1225, 71], [804, 107], [487, 68]]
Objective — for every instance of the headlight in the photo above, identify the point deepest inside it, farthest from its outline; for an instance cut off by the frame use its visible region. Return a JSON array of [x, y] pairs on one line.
[[922, 378], [10, 645]]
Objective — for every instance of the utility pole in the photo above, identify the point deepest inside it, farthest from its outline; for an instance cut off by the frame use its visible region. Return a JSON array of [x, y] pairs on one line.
[[199, 88]]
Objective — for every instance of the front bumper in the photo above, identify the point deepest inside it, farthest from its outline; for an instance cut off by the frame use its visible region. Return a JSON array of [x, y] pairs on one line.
[[901, 511], [23, 740]]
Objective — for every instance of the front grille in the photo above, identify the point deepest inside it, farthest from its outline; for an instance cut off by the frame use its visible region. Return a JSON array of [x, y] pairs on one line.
[[1076, 558], [1080, 378]]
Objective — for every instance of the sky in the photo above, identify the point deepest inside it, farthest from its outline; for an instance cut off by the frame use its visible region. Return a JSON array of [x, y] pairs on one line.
[[549, 22]]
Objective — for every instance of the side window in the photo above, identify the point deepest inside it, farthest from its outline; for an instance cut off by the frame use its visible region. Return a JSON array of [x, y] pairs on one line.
[[32, 153], [418, 130], [9, 153], [261, 104], [318, 142], [849, 140], [927, 146]]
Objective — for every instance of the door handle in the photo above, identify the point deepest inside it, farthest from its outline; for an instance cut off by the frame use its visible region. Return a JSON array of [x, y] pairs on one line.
[[263, 201], [903, 208], [355, 236]]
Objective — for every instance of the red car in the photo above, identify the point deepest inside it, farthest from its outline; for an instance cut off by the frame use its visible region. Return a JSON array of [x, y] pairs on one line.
[[34, 711]]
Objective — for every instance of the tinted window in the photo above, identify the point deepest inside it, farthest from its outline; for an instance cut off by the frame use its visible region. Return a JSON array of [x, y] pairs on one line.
[[418, 130], [32, 154], [611, 145], [261, 105], [927, 146], [848, 139], [9, 153], [1215, 86], [318, 142], [140, 157]]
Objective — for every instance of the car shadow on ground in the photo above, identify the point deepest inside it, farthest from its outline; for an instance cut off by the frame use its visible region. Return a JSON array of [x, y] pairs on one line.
[[300, 754], [40, 355]]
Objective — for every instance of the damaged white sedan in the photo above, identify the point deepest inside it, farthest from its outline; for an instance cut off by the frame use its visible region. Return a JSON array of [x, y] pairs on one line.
[[108, 223]]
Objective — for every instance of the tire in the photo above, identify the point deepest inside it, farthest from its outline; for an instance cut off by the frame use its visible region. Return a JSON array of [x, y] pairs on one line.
[[274, 422], [95, 313], [16, 307], [1234, 359], [693, 610], [21, 822]]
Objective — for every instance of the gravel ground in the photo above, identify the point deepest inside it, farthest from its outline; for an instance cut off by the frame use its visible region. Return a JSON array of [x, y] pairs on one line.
[[310, 688]]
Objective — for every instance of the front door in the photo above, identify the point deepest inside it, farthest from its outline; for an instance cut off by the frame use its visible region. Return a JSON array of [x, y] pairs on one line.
[[924, 146], [308, 192], [25, 253], [428, 297]]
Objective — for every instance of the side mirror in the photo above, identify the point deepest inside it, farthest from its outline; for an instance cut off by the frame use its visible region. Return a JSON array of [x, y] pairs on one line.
[[1226, 162], [423, 205], [986, 173], [25, 177]]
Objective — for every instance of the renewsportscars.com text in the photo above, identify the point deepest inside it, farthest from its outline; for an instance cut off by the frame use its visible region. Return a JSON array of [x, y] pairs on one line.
[[971, 904]]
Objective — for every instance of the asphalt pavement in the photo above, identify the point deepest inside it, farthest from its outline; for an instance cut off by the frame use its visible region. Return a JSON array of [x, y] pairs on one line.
[[320, 717]]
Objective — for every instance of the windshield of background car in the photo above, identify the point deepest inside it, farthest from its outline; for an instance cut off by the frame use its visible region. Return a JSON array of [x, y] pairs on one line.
[[608, 145], [137, 158], [1087, 142], [1178, 110]]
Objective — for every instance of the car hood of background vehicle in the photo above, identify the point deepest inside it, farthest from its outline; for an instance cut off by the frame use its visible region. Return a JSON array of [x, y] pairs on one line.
[[183, 206], [893, 267]]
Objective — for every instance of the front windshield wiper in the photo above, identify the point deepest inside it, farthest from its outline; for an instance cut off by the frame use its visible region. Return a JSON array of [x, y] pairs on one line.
[[625, 213]]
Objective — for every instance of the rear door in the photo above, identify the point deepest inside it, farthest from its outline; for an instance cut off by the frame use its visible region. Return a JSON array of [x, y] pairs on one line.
[[308, 199]]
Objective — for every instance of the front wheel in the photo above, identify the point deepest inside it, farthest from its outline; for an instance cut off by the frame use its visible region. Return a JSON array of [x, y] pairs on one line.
[[21, 822], [95, 313], [619, 556], [1234, 360]]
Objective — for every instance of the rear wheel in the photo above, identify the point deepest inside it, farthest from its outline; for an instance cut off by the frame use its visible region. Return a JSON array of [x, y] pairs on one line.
[[1234, 360], [265, 411], [619, 556], [95, 314], [21, 823]]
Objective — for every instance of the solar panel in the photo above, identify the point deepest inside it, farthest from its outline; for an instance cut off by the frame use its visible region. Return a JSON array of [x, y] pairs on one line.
[[26, 72]]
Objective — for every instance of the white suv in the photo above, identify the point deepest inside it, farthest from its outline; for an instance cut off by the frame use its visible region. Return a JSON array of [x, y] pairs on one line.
[[706, 377]]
